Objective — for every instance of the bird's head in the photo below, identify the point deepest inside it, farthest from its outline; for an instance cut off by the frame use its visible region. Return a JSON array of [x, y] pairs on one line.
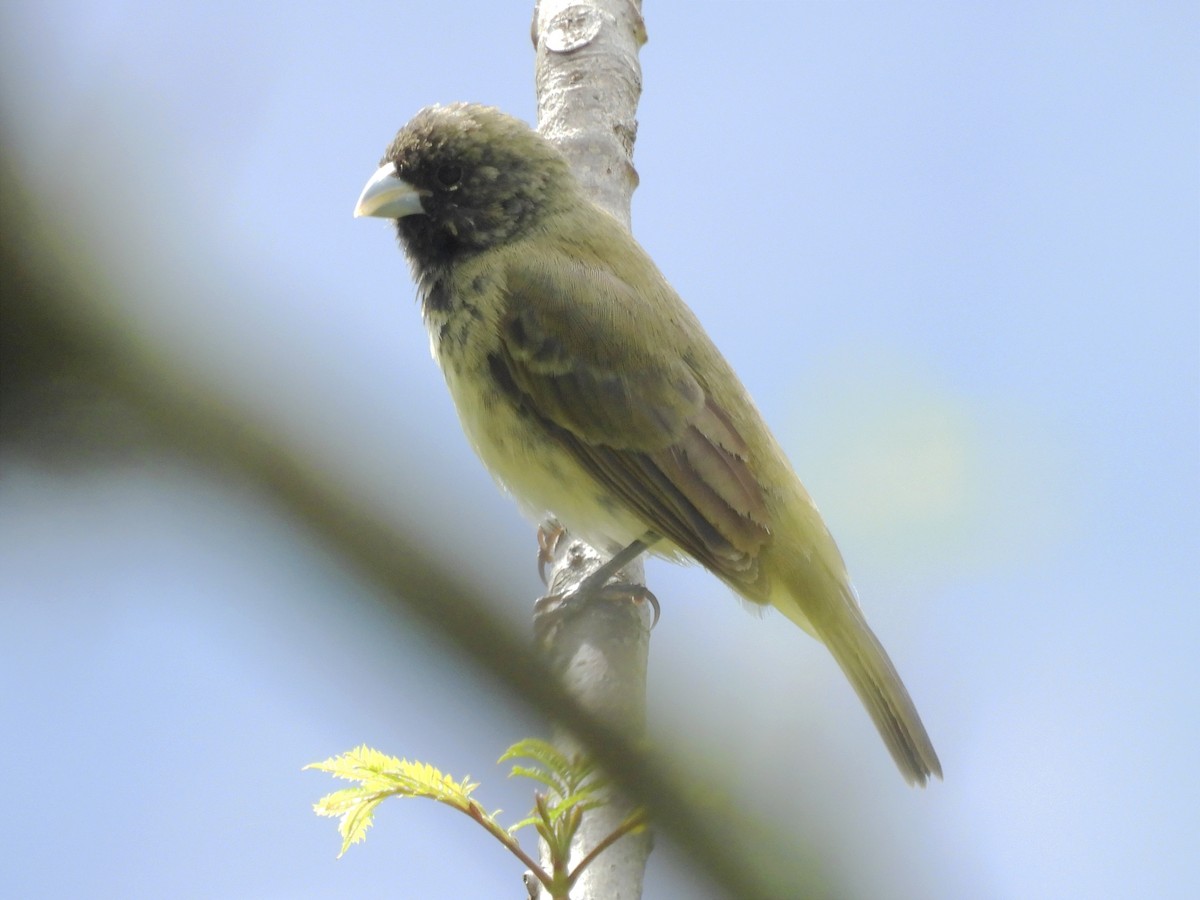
[[462, 178]]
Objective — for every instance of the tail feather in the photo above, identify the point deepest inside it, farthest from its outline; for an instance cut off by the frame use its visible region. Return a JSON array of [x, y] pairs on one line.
[[839, 624], [878, 685], [805, 579]]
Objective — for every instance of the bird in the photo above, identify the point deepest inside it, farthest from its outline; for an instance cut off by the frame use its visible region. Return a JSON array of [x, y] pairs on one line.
[[591, 391]]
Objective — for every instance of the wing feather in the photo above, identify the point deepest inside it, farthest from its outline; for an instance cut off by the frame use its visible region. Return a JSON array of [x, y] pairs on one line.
[[645, 429]]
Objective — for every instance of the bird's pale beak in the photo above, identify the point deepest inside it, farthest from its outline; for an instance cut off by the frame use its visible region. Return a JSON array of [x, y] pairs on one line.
[[388, 196]]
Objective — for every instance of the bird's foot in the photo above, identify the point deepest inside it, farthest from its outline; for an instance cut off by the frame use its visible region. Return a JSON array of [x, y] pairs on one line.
[[601, 583], [552, 609]]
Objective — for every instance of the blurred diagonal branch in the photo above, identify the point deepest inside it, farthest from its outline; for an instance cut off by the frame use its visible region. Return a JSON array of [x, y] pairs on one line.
[[56, 327]]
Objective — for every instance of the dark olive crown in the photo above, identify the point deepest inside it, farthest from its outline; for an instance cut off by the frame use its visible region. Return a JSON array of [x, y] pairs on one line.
[[489, 178]]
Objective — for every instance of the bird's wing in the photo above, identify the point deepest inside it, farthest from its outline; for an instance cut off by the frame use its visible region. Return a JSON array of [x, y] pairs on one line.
[[633, 413]]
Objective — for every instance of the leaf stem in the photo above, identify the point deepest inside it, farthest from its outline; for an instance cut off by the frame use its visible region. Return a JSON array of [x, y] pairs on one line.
[[635, 820]]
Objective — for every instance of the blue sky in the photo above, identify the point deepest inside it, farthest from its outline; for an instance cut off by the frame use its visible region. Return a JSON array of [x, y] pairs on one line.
[[951, 248]]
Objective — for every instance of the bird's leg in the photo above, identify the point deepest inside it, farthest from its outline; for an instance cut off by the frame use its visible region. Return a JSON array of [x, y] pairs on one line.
[[619, 560], [595, 583]]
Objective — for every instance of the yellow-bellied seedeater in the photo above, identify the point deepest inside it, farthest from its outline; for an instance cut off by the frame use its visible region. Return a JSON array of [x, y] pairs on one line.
[[591, 391]]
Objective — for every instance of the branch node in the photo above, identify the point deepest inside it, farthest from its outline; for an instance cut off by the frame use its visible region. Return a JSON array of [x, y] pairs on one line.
[[573, 28]]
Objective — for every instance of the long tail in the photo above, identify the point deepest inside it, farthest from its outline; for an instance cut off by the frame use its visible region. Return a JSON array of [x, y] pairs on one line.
[[841, 627], [878, 685]]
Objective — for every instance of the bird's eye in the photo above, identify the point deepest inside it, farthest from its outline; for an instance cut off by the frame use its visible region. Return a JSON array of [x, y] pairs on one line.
[[449, 176]]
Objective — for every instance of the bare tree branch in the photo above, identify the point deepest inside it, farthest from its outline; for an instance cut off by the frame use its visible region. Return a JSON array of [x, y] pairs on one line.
[[588, 85]]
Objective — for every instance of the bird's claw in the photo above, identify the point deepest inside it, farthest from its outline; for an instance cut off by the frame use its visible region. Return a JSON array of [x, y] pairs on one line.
[[639, 593], [559, 605], [554, 607]]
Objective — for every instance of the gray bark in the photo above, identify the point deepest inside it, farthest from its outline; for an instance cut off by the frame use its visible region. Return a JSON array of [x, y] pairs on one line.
[[588, 84]]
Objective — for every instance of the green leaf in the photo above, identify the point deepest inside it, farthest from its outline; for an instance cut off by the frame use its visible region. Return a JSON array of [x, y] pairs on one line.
[[356, 807], [579, 799], [524, 823], [543, 752], [381, 776], [574, 787], [537, 775]]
